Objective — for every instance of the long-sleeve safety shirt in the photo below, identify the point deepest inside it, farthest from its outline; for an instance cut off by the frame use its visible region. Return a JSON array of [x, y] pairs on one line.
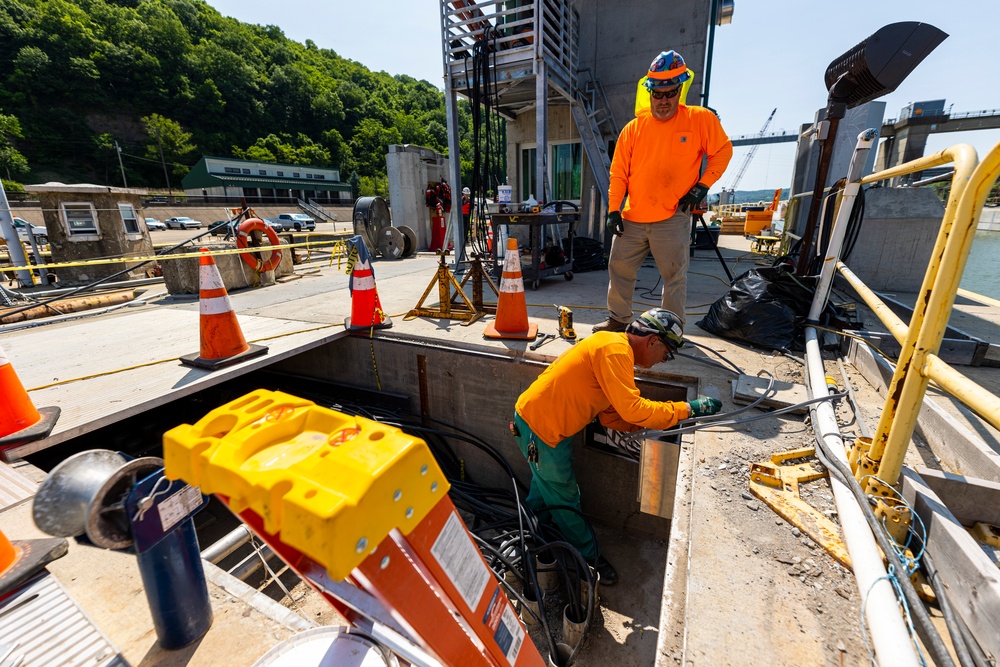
[[594, 377], [658, 161]]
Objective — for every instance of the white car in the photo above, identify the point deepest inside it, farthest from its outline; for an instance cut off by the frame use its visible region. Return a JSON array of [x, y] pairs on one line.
[[23, 226], [154, 225], [182, 222]]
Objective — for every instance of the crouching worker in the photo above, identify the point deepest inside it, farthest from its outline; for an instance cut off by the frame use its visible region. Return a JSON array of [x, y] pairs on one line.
[[595, 378]]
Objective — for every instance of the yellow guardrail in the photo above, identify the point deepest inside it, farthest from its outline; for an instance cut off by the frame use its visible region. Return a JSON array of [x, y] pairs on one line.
[[918, 362]]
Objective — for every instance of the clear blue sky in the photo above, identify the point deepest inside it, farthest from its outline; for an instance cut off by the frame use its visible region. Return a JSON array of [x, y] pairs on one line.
[[773, 55]]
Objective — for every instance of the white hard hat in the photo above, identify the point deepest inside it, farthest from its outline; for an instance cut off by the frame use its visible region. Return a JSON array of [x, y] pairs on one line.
[[466, 191]]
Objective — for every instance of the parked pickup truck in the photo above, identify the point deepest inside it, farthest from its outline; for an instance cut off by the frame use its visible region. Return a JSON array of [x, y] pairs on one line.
[[25, 230], [296, 221]]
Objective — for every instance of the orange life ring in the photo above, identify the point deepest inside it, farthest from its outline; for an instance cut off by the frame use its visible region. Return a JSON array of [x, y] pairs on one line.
[[242, 241]]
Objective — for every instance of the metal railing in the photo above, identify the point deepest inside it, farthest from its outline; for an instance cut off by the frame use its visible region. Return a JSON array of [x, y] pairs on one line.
[[918, 361], [518, 31]]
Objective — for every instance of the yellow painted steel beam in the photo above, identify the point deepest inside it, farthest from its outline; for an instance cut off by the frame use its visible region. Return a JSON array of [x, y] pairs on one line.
[[890, 319], [977, 397], [933, 308]]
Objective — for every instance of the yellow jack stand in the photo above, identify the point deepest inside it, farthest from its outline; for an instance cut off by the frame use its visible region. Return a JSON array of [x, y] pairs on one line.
[[449, 308], [778, 486]]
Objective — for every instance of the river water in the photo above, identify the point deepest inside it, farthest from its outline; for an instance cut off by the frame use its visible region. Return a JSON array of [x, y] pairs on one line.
[[982, 270]]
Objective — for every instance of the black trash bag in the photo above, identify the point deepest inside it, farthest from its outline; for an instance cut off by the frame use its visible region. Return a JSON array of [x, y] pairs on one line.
[[764, 307]]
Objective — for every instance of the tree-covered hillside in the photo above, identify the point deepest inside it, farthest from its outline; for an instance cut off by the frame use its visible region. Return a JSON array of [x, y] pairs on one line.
[[80, 75]]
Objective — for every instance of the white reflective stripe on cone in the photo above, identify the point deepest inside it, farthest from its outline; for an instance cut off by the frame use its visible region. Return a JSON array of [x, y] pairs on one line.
[[511, 285], [216, 305], [512, 262], [3, 358], [364, 282], [209, 277]]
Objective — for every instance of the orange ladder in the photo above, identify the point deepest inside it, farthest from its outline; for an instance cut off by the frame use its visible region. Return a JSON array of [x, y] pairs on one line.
[[338, 498]]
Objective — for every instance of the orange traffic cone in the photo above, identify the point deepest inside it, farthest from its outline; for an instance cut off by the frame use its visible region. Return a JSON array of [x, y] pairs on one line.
[[20, 422], [222, 341], [512, 311], [19, 559], [366, 309]]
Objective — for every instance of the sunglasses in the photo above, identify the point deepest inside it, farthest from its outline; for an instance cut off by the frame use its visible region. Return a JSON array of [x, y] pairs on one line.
[[665, 94]]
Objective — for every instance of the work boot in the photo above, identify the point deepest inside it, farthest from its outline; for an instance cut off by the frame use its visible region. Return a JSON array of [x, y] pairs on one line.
[[609, 576], [610, 324]]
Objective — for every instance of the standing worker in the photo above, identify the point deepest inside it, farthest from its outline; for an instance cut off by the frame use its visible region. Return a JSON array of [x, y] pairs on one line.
[[594, 378], [657, 162], [467, 213]]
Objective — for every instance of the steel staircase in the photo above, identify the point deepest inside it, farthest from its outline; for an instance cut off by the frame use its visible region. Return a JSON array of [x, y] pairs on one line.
[[596, 126], [316, 210]]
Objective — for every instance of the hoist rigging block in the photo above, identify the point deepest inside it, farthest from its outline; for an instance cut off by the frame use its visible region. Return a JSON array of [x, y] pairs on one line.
[[332, 485]]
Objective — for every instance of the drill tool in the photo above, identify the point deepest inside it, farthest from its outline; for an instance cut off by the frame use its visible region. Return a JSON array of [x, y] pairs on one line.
[[566, 323]]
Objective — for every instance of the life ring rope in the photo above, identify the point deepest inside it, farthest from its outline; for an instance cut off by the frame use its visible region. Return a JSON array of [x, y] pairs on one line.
[[246, 228]]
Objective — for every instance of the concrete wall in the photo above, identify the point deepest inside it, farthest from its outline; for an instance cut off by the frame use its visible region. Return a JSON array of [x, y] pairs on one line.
[[897, 236], [111, 239], [180, 276], [476, 392], [410, 168]]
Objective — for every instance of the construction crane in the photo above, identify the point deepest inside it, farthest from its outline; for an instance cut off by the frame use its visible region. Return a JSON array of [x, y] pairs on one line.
[[731, 190]]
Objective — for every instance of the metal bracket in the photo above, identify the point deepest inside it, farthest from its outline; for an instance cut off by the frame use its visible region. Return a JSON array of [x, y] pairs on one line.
[[778, 485]]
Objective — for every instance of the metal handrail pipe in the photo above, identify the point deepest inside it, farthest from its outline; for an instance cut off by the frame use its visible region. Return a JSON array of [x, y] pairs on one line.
[[227, 545], [971, 393], [890, 636], [891, 320], [927, 332], [964, 158], [951, 154]]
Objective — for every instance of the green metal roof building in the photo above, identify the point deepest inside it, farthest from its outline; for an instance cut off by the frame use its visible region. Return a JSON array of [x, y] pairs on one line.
[[264, 182]]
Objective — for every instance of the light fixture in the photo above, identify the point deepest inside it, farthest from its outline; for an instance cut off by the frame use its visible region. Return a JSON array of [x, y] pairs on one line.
[[867, 71]]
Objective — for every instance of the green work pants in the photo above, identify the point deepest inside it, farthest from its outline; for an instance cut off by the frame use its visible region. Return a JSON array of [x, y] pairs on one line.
[[669, 242], [553, 483]]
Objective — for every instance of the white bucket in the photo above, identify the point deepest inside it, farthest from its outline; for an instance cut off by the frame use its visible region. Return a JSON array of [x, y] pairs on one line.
[[504, 193], [328, 647]]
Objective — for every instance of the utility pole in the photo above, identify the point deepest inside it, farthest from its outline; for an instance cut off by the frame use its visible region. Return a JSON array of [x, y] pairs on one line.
[[14, 248], [165, 176], [118, 149]]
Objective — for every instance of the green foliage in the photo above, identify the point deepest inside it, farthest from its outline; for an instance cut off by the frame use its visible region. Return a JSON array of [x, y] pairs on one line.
[[374, 186], [12, 162], [168, 142], [82, 74], [15, 191], [355, 181]]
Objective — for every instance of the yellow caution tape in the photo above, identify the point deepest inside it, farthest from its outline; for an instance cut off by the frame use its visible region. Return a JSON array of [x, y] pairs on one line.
[[335, 247]]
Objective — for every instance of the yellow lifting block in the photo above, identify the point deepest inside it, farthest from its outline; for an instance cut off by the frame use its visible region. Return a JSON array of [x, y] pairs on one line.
[[330, 485]]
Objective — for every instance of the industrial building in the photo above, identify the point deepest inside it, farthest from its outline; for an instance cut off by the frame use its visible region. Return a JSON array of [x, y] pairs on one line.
[[264, 182]]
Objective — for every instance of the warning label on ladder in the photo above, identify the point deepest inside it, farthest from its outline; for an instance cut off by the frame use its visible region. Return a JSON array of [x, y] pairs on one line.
[[461, 561], [507, 629]]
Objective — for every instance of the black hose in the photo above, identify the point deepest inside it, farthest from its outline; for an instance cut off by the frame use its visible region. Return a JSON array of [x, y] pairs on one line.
[[951, 621], [932, 640]]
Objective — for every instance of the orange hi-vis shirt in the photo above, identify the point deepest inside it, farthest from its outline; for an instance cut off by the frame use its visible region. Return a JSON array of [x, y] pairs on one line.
[[658, 161], [594, 377]]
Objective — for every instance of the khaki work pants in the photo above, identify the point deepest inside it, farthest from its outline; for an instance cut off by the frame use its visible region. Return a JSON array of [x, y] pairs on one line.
[[669, 242]]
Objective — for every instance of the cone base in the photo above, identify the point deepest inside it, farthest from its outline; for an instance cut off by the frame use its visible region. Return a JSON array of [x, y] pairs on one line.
[[32, 556], [530, 334], [351, 327], [36, 431], [212, 364]]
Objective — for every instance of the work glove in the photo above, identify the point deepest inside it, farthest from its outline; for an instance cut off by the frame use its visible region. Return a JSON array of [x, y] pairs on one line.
[[704, 406], [614, 223], [693, 197]]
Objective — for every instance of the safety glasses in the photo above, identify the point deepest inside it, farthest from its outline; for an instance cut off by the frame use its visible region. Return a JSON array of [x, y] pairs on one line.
[[665, 94]]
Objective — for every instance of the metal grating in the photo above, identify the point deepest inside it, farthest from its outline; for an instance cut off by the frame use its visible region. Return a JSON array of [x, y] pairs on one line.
[[50, 629], [15, 488]]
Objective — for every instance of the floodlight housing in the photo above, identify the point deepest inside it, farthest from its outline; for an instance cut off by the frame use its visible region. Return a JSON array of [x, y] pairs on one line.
[[879, 63]]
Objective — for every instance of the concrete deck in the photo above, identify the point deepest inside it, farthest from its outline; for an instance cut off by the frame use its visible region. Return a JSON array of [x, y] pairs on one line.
[[744, 586]]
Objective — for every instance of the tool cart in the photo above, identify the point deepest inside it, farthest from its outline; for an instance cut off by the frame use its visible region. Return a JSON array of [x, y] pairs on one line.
[[544, 233]]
